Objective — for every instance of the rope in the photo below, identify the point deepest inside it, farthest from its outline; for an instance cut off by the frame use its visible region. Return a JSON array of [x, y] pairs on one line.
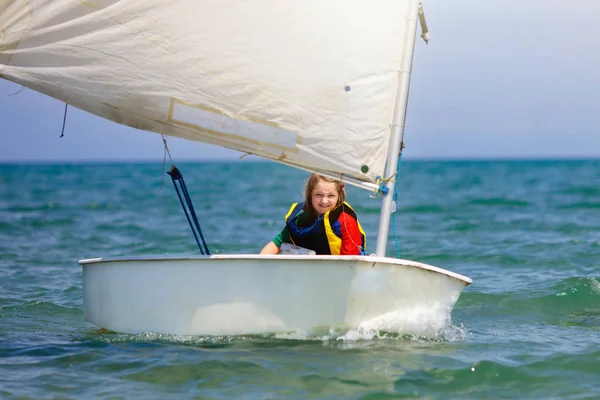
[[17, 92], [196, 230], [191, 215], [394, 208], [62, 132], [162, 180]]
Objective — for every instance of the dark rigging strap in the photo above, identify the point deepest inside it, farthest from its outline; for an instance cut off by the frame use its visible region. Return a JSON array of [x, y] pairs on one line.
[[180, 188]]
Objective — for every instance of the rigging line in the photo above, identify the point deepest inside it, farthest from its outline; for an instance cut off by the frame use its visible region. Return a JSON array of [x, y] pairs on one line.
[[62, 132], [191, 216], [176, 176], [395, 208], [17, 92], [162, 175], [193, 212], [164, 139], [188, 217]]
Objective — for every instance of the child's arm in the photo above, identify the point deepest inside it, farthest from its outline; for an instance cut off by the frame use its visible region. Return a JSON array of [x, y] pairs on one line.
[[270, 248]]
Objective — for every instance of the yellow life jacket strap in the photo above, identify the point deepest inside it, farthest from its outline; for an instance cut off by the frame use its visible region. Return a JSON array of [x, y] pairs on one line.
[[335, 242], [291, 210]]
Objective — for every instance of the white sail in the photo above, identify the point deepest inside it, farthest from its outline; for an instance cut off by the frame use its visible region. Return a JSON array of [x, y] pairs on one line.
[[311, 83]]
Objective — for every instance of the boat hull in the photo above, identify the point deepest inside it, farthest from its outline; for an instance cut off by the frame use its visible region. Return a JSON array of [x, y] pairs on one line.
[[248, 294]]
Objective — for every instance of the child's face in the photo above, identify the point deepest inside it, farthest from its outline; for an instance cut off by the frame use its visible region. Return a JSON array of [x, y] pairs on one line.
[[324, 196]]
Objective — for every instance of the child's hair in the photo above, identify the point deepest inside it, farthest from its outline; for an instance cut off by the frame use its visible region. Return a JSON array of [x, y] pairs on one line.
[[310, 186]]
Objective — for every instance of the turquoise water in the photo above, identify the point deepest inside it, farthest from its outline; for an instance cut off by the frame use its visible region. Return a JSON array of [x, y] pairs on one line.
[[526, 232]]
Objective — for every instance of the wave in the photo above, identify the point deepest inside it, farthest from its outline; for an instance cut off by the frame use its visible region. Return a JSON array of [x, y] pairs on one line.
[[422, 209], [12, 306], [581, 190], [576, 299], [584, 205], [498, 201], [505, 379], [569, 302]]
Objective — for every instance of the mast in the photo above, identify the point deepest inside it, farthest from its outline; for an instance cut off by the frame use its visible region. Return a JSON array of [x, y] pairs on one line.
[[397, 127]]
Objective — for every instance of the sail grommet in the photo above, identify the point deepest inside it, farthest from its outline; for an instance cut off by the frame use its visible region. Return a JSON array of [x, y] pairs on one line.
[[347, 88], [364, 169]]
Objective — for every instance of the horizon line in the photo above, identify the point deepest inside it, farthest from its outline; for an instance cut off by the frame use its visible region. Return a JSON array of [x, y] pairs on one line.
[[264, 160]]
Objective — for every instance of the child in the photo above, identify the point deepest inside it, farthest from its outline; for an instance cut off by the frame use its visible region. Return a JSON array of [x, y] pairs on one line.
[[324, 223]]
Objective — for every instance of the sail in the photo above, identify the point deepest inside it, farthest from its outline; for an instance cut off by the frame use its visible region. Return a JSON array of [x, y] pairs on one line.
[[310, 83]]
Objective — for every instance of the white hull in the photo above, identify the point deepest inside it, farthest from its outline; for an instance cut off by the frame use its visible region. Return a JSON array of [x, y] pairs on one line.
[[245, 294]]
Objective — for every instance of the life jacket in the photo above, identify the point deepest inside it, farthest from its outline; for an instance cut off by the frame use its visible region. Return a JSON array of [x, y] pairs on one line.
[[324, 236]]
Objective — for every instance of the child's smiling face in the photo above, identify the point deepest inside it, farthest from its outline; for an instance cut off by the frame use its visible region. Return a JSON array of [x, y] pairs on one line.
[[324, 197]]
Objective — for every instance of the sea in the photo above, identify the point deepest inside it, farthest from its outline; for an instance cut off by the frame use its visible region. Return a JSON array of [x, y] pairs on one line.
[[526, 231]]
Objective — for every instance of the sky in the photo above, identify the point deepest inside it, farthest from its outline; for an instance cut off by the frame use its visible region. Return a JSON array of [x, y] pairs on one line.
[[498, 79]]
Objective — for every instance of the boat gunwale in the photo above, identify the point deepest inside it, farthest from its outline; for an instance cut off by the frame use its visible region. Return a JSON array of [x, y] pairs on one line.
[[369, 259]]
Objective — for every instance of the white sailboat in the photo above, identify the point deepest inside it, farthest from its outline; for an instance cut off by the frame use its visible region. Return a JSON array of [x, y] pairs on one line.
[[318, 85]]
